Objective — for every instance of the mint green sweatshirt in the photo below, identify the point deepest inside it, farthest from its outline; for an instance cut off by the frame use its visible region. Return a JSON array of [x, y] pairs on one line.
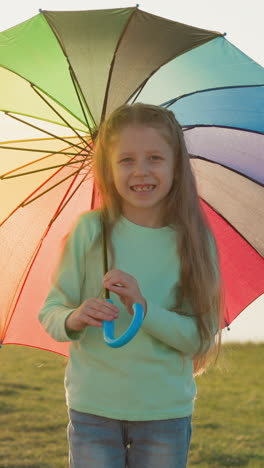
[[150, 378]]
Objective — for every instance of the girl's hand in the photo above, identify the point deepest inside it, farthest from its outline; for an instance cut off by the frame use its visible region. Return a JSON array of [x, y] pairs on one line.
[[126, 287], [91, 313]]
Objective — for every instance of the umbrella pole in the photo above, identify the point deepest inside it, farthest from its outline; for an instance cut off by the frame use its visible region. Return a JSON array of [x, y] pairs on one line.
[[104, 251], [108, 326]]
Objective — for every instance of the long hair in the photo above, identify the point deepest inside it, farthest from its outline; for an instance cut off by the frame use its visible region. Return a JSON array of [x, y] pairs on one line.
[[199, 285]]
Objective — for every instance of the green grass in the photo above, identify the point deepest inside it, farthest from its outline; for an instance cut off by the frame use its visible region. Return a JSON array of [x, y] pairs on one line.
[[229, 417], [228, 423]]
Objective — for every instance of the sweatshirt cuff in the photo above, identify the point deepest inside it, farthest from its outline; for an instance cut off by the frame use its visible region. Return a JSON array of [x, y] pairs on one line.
[[72, 335], [54, 325]]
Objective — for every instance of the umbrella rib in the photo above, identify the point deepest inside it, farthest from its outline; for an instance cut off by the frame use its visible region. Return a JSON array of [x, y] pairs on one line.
[[190, 127], [35, 160], [139, 91], [45, 131], [142, 85], [6, 176], [113, 62], [37, 150], [80, 95], [202, 158], [73, 77], [52, 97], [233, 227], [59, 115], [53, 186], [172, 101], [32, 193], [68, 200]]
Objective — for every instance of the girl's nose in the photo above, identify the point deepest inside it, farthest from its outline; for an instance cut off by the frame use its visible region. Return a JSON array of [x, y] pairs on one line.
[[141, 167]]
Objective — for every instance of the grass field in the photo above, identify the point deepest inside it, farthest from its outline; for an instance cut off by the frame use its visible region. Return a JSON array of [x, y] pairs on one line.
[[228, 423]]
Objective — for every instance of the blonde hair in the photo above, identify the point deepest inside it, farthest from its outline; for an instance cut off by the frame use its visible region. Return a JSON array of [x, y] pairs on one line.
[[199, 285]]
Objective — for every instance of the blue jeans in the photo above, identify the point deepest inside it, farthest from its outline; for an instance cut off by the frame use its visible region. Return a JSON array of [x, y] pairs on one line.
[[98, 442]]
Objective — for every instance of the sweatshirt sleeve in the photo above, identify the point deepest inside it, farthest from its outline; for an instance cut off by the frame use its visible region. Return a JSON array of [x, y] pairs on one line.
[[178, 331], [65, 294]]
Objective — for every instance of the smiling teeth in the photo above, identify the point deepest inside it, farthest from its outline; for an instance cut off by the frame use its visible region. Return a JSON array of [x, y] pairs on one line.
[[146, 188]]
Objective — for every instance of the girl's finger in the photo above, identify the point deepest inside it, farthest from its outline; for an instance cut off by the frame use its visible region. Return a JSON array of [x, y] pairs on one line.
[[99, 304], [94, 323], [102, 314], [117, 277], [112, 273], [120, 290], [95, 318], [115, 282]]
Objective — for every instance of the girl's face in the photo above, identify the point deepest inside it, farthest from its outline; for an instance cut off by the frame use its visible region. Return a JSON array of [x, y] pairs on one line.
[[142, 165]]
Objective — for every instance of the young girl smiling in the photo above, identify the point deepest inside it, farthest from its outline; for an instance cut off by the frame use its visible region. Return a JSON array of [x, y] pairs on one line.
[[132, 406]]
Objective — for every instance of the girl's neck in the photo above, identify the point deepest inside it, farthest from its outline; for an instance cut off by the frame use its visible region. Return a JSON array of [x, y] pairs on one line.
[[144, 219]]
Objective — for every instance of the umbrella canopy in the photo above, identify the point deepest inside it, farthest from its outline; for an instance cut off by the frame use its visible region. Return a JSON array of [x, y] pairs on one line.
[[61, 74]]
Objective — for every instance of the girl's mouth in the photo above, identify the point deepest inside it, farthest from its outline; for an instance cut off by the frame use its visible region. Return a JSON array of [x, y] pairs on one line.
[[143, 188]]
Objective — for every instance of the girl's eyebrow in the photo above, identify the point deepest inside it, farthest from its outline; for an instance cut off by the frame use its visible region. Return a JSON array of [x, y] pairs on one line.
[[131, 153]]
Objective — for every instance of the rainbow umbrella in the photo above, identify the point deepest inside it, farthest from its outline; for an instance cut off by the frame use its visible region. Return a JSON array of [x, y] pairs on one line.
[[62, 73]]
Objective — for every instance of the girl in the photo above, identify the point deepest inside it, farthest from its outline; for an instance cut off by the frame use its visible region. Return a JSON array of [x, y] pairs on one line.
[[132, 406]]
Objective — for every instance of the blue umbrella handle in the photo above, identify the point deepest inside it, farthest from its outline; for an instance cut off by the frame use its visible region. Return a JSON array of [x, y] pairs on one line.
[[109, 328]]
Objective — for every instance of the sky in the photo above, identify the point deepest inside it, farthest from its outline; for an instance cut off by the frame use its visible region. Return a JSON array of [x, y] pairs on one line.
[[243, 24]]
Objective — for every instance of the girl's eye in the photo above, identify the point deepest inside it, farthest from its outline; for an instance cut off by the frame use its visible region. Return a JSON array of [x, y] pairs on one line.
[[125, 160], [155, 157]]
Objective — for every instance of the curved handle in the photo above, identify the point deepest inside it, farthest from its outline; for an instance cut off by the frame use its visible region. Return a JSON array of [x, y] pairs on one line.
[[108, 328]]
